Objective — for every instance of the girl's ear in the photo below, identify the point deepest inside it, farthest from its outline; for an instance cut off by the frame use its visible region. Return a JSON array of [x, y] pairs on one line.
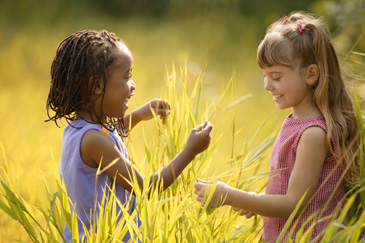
[[95, 81], [312, 75]]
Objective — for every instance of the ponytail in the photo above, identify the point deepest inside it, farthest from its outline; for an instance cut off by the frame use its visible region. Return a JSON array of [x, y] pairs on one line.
[[297, 42], [335, 104]]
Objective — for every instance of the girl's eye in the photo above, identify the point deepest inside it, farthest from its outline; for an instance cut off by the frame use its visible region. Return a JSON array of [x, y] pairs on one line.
[[276, 78]]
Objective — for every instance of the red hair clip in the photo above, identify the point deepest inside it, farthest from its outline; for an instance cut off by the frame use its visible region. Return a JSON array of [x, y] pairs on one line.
[[301, 27], [286, 20]]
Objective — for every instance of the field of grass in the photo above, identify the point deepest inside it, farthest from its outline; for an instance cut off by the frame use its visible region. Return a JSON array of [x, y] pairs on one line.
[[201, 72]]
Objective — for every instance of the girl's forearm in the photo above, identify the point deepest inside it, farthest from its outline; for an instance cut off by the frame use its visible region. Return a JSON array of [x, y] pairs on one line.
[[278, 206], [172, 170], [131, 120]]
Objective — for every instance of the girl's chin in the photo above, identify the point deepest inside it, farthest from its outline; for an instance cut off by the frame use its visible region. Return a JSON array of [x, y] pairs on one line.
[[123, 113]]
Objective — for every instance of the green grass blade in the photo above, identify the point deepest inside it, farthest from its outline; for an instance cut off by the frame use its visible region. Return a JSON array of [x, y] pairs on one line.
[[74, 228], [53, 203]]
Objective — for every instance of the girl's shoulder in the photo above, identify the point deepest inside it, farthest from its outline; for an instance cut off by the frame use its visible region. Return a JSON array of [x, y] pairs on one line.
[[81, 129], [95, 134], [75, 130], [94, 145], [81, 126], [312, 129]]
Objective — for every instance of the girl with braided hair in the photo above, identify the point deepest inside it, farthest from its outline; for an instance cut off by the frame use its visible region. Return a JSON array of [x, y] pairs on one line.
[[315, 152], [90, 88]]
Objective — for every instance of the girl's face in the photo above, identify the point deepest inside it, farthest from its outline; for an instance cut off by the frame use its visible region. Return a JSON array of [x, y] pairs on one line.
[[288, 89], [120, 86]]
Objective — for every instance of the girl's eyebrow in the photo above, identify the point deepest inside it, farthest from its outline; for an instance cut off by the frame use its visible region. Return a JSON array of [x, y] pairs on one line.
[[129, 70], [272, 72]]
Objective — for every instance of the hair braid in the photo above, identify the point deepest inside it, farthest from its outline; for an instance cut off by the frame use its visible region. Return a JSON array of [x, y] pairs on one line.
[[83, 56]]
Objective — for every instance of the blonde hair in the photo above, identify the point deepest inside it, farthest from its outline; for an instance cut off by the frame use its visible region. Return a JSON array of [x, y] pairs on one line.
[[285, 44]]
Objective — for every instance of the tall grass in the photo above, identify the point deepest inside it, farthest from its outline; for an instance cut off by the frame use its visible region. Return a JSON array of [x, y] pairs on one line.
[[174, 215]]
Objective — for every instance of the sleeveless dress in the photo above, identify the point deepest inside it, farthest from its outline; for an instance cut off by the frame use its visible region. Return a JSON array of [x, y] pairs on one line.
[[81, 180], [283, 158]]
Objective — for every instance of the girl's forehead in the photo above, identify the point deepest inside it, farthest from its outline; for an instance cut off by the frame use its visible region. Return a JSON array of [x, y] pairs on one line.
[[122, 55], [273, 68], [123, 49]]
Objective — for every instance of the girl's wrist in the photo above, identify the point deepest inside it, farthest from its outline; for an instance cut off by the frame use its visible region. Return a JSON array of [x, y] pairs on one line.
[[189, 153]]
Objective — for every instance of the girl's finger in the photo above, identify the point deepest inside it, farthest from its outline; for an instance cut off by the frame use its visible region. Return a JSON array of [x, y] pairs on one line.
[[200, 180], [199, 198], [166, 104], [249, 215], [199, 127], [199, 192], [200, 186], [208, 127], [162, 104], [161, 112]]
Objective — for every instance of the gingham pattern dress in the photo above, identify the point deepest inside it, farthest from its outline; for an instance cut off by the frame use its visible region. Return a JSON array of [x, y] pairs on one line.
[[283, 158]]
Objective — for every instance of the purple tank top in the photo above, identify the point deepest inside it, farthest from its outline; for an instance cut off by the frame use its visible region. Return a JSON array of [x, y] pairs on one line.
[[80, 179]]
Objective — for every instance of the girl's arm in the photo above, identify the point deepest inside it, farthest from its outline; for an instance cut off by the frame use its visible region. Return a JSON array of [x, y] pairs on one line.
[[143, 113], [97, 148], [197, 141], [311, 153]]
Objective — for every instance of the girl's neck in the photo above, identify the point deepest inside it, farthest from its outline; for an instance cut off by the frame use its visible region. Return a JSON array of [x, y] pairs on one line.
[[307, 112]]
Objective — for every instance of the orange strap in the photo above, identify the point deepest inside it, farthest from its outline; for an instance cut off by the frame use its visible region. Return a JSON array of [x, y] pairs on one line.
[[105, 131]]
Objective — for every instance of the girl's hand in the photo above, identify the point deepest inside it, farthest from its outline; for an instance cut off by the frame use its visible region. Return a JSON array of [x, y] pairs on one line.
[[203, 188], [159, 106], [244, 212], [199, 138]]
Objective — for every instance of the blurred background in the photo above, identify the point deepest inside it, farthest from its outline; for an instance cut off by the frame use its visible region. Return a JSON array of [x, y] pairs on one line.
[[213, 39]]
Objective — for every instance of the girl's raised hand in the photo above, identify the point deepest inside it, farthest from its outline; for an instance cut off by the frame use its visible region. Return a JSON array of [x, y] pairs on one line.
[[199, 138], [202, 191], [159, 106]]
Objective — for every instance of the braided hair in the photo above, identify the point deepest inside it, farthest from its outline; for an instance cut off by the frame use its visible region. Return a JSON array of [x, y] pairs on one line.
[[81, 60]]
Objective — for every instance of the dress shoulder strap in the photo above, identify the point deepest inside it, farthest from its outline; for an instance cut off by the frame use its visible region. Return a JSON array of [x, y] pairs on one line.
[[105, 131]]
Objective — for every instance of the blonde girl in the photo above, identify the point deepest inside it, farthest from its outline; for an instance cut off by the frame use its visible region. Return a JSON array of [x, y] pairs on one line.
[[317, 142], [90, 88]]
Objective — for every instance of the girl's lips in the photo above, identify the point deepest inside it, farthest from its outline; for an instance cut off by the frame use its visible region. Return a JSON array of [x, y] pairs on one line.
[[276, 97], [126, 102]]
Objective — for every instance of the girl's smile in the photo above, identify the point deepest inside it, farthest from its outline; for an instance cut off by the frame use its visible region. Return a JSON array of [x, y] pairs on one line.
[[277, 97], [120, 86], [289, 90], [128, 98]]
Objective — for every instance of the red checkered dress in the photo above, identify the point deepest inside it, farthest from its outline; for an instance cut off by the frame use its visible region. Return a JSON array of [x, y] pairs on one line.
[[283, 158]]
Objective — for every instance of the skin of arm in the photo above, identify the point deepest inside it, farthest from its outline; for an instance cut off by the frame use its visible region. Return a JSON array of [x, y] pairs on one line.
[[143, 113], [97, 148], [311, 153]]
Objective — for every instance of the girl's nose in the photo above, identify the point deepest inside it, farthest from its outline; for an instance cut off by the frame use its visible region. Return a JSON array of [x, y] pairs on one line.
[[133, 86], [267, 84]]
